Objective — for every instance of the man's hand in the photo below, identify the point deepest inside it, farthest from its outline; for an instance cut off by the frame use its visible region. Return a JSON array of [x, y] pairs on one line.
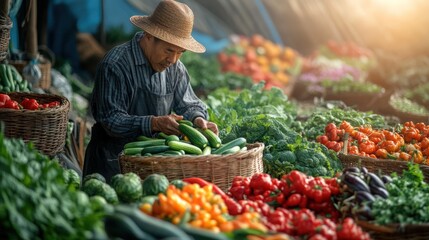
[[167, 124], [204, 124]]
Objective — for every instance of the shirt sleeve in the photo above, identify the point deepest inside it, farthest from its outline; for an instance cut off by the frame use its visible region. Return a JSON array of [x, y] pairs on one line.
[[110, 102], [186, 103]]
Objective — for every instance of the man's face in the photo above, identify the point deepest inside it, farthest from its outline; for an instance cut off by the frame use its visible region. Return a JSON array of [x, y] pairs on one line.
[[161, 54]]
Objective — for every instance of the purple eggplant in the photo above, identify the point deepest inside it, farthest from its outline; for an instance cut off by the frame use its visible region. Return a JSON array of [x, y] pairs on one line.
[[386, 179], [379, 191], [355, 183], [362, 196], [374, 181]]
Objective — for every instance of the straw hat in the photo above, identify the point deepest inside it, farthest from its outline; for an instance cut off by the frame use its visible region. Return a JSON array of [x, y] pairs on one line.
[[172, 22]]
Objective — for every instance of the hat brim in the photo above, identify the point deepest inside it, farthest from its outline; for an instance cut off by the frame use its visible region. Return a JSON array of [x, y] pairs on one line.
[[146, 25]]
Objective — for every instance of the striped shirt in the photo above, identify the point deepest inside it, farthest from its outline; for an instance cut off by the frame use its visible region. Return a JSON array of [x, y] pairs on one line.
[[124, 76]]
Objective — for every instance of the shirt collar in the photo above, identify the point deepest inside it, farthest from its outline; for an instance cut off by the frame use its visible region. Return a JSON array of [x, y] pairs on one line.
[[139, 57]]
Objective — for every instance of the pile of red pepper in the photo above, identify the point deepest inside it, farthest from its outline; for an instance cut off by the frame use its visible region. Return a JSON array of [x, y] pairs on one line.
[[294, 190], [298, 205], [26, 103]]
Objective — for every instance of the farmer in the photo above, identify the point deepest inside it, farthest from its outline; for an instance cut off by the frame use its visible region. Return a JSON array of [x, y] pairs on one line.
[[140, 83]]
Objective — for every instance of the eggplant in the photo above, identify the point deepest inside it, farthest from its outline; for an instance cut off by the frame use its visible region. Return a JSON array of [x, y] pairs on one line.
[[364, 171], [386, 179], [351, 169], [355, 183], [364, 213], [362, 196], [375, 181], [378, 191]]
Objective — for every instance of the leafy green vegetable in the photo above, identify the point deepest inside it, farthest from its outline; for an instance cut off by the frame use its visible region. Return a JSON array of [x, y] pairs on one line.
[[36, 202], [408, 201]]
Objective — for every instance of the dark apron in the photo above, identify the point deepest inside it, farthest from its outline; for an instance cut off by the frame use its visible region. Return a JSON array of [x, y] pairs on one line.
[[103, 150]]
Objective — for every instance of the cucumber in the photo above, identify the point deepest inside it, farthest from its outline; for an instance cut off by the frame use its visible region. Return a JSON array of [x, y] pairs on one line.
[[207, 150], [202, 234], [154, 149], [121, 226], [214, 140], [146, 143], [144, 138], [162, 135], [188, 148], [232, 150], [187, 122], [195, 136], [173, 152], [157, 228], [133, 151], [241, 142], [171, 138]]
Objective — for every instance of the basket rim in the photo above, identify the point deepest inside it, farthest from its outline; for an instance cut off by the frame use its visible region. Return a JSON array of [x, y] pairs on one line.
[[64, 103], [213, 157], [394, 227]]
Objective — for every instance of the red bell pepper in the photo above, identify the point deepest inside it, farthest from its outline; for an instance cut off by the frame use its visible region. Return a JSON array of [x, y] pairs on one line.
[[30, 104], [3, 99], [11, 104], [261, 182]]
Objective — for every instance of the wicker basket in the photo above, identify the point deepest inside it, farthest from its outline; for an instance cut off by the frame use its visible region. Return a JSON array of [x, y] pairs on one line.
[[384, 166], [45, 69], [46, 128], [396, 231], [218, 169], [5, 26]]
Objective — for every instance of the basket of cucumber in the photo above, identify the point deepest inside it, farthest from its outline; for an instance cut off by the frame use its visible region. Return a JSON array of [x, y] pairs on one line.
[[219, 169], [39, 118], [45, 68]]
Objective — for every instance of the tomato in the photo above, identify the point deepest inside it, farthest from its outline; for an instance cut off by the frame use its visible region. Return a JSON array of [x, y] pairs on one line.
[[367, 147], [424, 143], [381, 153], [322, 139], [346, 126], [332, 135], [390, 146], [353, 150], [417, 156], [404, 156]]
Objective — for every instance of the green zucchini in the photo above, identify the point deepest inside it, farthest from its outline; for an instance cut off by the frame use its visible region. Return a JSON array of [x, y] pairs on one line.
[[121, 226], [162, 135], [207, 150], [231, 150], [156, 227], [144, 138], [188, 148], [173, 152], [195, 136], [171, 138], [241, 142], [202, 234], [154, 149], [146, 143], [132, 151], [213, 139], [187, 122]]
